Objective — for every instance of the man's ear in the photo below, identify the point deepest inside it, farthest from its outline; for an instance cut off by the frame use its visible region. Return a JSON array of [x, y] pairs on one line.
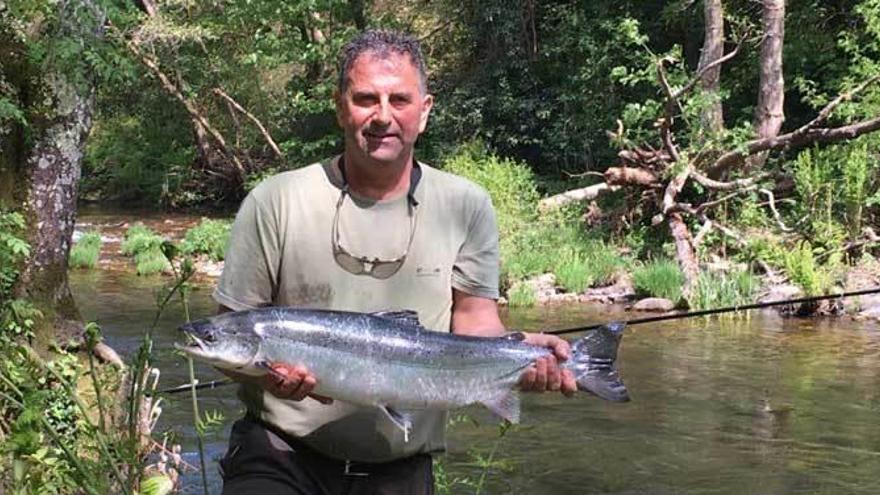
[[427, 105]]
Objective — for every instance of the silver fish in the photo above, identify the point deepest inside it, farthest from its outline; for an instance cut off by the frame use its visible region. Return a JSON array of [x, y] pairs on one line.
[[388, 360]]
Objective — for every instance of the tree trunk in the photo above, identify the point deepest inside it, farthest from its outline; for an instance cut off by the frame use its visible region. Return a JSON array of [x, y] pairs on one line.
[[713, 49], [769, 113], [44, 170]]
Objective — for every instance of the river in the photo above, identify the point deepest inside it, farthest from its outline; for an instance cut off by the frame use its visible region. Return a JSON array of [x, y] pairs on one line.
[[757, 404]]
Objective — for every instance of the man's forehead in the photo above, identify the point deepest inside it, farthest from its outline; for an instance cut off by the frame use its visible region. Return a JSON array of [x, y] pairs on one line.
[[390, 62]]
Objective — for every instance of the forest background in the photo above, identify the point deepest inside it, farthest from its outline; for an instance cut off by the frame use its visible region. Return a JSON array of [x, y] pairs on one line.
[[700, 150]]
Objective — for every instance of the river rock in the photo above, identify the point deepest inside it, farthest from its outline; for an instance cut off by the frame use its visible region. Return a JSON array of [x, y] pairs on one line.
[[621, 291], [543, 286], [782, 292], [865, 275], [658, 304]]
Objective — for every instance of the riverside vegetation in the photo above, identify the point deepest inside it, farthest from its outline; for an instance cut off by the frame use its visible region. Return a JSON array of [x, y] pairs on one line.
[[613, 145]]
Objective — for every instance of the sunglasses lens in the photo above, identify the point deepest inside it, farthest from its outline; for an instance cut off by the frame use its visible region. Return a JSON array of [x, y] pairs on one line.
[[385, 269], [349, 263]]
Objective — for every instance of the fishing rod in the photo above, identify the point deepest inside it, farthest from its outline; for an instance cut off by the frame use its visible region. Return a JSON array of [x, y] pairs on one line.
[[729, 309], [637, 321]]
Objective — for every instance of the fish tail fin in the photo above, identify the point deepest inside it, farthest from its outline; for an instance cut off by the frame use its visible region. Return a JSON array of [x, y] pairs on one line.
[[592, 362]]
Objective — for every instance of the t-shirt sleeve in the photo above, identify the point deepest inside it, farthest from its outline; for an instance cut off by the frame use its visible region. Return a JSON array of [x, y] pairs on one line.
[[250, 271], [476, 268]]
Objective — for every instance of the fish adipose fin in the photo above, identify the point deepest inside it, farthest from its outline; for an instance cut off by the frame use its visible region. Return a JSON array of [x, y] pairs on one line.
[[402, 420], [407, 317], [592, 363], [505, 405]]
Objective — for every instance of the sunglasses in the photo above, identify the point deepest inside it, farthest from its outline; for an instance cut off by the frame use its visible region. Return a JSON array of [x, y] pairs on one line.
[[362, 265]]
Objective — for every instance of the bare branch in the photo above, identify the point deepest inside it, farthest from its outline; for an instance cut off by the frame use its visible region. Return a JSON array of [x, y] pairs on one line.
[[693, 82], [710, 204], [583, 194], [833, 104], [771, 201], [268, 137], [704, 229], [730, 185]]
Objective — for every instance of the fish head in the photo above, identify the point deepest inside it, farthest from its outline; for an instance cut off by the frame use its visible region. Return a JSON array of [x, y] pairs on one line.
[[219, 341]]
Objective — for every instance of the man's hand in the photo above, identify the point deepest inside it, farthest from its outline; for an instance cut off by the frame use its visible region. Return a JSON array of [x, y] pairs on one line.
[[292, 382], [546, 374]]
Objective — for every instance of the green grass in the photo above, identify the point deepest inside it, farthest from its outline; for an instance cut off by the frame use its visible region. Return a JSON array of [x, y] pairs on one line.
[[209, 237], [521, 295], [573, 271], [146, 247], [84, 254], [723, 290], [659, 278]]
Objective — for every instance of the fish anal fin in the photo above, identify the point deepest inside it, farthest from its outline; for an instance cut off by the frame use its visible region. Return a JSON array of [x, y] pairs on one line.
[[405, 317], [505, 405], [401, 419]]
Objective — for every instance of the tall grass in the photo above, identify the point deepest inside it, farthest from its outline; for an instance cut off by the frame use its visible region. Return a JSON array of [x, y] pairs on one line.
[[84, 254], [659, 278], [723, 290], [145, 246], [521, 295]]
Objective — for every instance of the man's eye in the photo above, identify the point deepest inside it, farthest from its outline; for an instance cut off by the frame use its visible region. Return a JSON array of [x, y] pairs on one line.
[[400, 101], [365, 100]]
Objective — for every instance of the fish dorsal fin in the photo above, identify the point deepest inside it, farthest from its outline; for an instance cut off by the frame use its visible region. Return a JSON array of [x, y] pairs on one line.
[[406, 317], [505, 405]]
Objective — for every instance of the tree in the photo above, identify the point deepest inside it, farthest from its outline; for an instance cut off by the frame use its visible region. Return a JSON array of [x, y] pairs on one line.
[[674, 156], [48, 101]]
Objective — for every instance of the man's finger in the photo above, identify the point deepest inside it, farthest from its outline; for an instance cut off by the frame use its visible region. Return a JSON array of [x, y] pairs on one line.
[[569, 384], [554, 375], [540, 384], [304, 388], [527, 380]]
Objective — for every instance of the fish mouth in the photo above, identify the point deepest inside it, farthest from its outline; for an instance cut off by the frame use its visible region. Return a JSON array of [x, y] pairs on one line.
[[192, 344]]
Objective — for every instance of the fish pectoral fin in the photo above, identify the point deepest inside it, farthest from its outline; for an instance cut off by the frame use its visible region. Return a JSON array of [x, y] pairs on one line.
[[505, 405], [406, 317], [267, 367], [401, 419]]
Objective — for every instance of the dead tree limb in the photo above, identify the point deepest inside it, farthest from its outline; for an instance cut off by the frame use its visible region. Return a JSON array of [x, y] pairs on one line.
[[190, 108], [771, 202], [268, 137], [576, 195]]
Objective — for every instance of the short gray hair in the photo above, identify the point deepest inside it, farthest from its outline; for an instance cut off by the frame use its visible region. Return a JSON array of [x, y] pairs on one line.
[[382, 44]]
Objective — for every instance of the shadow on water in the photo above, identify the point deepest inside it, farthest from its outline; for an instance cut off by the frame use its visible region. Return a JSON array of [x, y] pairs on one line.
[[757, 405]]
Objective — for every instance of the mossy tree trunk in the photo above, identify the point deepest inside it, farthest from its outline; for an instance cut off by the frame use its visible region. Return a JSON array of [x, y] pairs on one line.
[[40, 172]]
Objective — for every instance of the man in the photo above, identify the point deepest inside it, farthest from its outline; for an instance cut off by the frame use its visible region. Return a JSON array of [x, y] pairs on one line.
[[369, 230]]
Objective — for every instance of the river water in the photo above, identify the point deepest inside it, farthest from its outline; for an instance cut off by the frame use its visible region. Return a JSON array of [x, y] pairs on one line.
[[762, 404]]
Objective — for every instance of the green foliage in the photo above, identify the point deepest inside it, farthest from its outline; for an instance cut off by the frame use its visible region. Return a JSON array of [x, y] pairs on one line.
[[13, 249], [659, 278], [521, 295], [146, 247], [804, 270], [209, 237], [718, 290], [573, 271], [84, 254]]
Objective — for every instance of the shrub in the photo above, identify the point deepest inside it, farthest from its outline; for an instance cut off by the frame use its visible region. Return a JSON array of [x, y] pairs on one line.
[[804, 271], [659, 278], [84, 254], [209, 237]]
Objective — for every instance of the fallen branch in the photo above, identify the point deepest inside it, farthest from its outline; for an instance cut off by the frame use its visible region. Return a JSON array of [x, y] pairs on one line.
[[268, 137], [771, 202], [730, 185], [576, 195], [630, 176]]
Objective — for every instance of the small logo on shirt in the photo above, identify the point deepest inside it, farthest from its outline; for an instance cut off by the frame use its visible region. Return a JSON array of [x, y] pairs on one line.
[[423, 271]]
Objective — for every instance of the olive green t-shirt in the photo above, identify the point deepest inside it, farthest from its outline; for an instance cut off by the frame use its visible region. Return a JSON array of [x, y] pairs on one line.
[[280, 253]]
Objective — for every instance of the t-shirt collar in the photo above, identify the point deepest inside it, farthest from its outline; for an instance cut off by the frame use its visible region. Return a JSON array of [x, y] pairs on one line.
[[415, 176]]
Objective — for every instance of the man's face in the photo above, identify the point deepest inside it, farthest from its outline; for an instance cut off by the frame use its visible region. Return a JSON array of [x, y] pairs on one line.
[[382, 111]]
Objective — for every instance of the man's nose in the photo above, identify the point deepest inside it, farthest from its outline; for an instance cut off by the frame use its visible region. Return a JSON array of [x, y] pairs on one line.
[[382, 117]]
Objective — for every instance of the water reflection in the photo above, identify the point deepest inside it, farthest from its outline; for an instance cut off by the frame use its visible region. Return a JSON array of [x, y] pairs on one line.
[[758, 405]]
